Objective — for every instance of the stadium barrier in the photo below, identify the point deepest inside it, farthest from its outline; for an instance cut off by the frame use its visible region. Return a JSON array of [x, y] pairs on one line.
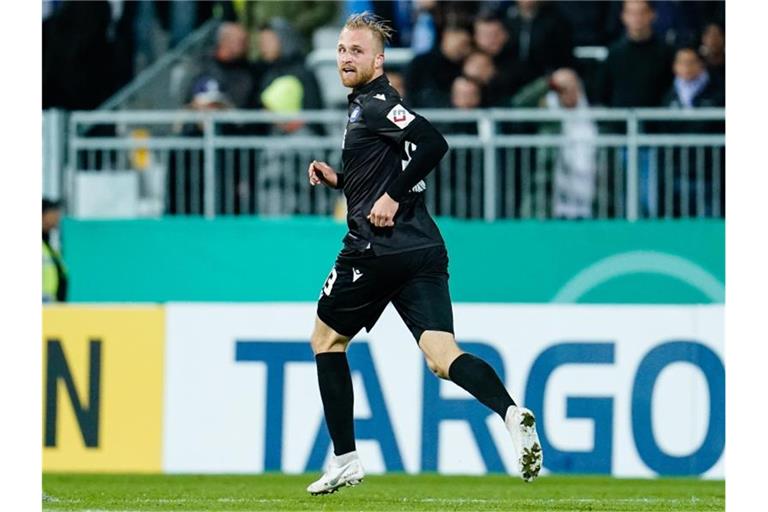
[[248, 259], [627, 390], [611, 331], [632, 166]]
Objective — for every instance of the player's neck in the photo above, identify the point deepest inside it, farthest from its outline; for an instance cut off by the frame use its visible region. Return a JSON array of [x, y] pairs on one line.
[[375, 77]]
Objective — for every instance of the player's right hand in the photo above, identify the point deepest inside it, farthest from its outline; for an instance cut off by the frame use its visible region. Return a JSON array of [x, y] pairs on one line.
[[321, 172]]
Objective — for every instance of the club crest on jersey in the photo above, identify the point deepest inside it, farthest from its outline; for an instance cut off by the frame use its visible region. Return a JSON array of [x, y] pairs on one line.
[[400, 116], [355, 115]]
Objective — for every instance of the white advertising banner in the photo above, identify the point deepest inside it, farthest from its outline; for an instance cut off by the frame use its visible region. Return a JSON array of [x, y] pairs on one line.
[[620, 389]]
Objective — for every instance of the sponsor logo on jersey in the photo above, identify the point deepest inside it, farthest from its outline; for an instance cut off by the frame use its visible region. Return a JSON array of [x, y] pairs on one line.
[[380, 97], [400, 117], [355, 115]]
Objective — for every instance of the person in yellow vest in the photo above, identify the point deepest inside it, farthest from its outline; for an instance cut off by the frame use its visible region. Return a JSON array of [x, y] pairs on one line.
[[54, 273]]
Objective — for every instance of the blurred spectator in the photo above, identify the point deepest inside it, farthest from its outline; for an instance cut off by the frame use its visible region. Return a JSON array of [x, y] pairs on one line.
[[459, 12], [637, 71], [424, 32], [159, 26], [54, 273], [539, 37], [228, 67], [588, 20], [678, 22], [713, 49], [576, 165], [88, 52], [181, 17], [93, 48], [466, 93], [206, 95], [227, 80], [121, 35], [305, 16], [428, 77], [693, 86], [74, 51], [418, 24], [573, 164], [492, 37], [479, 67], [286, 84], [183, 196]]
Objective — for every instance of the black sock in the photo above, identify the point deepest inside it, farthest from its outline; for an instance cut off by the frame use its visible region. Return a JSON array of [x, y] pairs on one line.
[[481, 381], [335, 382]]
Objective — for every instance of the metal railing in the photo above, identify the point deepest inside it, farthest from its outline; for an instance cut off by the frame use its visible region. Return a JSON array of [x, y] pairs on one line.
[[522, 163], [54, 152]]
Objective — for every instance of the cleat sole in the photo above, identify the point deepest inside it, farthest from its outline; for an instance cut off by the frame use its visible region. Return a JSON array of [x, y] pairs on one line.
[[350, 483], [531, 459]]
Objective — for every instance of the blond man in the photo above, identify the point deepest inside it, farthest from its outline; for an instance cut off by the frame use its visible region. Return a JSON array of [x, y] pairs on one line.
[[393, 253]]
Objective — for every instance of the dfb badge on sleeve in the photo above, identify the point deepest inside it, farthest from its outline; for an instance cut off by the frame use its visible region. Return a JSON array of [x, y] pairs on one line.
[[400, 116]]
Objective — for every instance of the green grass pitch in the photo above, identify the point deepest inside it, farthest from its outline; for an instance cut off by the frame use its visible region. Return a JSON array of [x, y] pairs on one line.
[[377, 493]]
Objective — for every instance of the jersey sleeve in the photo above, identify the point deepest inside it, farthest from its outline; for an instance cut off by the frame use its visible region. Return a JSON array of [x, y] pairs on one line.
[[390, 119], [386, 116]]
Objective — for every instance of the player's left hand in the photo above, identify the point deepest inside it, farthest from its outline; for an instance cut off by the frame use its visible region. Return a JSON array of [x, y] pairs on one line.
[[383, 212]]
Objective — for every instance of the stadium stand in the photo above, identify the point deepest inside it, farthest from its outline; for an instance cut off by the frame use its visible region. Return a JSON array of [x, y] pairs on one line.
[[168, 52]]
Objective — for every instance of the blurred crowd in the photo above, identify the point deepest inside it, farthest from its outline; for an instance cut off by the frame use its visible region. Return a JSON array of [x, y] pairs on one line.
[[93, 48], [467, 54], [664, 54]]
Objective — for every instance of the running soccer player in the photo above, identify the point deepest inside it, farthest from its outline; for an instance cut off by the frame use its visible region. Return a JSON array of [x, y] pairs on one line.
[[393, 253]]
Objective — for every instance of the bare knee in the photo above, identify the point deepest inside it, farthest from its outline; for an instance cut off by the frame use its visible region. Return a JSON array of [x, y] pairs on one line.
[[436, 369], [440, 350], [325, 339]]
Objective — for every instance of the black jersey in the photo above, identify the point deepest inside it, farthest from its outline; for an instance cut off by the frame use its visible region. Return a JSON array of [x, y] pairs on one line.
[[377, 147]]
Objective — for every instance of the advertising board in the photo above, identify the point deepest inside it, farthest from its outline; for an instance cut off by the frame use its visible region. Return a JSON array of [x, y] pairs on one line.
[[618, 389], [102, 388]]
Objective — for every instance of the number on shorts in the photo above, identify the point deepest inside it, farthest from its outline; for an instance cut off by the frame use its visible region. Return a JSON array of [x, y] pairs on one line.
[[329, 282]]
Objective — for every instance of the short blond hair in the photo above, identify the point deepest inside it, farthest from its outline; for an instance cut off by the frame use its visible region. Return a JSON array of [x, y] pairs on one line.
[[380, 27]]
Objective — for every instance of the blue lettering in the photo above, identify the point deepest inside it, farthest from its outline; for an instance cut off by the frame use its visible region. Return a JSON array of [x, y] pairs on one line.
[[435, 409], [642, 395], [275, 355], [599, 409]]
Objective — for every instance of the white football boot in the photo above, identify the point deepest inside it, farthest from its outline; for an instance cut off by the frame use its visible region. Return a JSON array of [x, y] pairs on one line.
[[521, 425], [342, 471]]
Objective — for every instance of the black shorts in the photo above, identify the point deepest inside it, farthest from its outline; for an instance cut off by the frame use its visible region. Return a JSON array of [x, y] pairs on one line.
[[361, 285]]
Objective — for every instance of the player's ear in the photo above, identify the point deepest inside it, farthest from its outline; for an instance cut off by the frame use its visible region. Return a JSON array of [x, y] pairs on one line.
[[378, 62]]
